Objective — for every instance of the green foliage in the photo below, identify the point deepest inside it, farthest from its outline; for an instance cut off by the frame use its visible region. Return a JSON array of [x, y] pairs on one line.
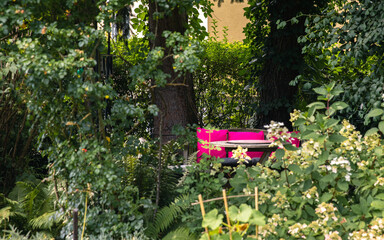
[[84, 126], [223, 94], [343, 44], [240, 221], [30, 208], [331, 186]]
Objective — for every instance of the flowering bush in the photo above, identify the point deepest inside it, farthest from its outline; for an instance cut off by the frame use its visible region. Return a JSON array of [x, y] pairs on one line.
[[331, 187]]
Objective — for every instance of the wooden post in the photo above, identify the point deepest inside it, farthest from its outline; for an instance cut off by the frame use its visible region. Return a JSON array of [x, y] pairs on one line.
[[203, 213], [257, 207], [75, 224], [227, 213]]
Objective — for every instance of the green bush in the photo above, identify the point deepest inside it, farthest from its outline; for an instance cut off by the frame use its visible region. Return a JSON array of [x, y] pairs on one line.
[[224, 95]]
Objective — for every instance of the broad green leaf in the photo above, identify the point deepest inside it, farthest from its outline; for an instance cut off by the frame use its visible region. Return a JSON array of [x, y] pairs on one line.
[[310, 210], [379, 151], [381, 126], [279, 153], [212, 219], [257, 218], [245, 213], [380, 196], [320, 90], [377, 204], [326, 197], [371, 131], [290, 147], [310, 134], [299, 122], [344, 186], [233, 212], [339, 105], [331, 123], [356, 209], [337, 138], [294, 168], [317, 105], [375, 112]]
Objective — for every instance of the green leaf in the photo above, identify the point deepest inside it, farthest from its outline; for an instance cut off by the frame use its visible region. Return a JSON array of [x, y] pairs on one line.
[[371, 131], [280, 153], [337, 138], [212, 219], [320, 90], [317, 105], [310, 210], [381, 126], [380, 196], [290, 147], [331, 122], [344, 186], [339, 105], [375, 112], [326, 197], [257, 218], [294, 168], [245, 213], [377, 204]]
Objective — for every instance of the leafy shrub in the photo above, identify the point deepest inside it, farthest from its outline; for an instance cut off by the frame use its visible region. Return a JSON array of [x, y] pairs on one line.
[[332, 186], [223, 94]]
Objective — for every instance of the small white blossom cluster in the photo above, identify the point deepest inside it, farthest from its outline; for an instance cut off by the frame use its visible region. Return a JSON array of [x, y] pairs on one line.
[[325, 224], [372, 141], [277, 133], [354, 138], [343, 163], [311, 194], [363, 165], [310, 149], [280, 200], [379, 182], [241, 154], [374, 232], [295, 115], [269, 229]]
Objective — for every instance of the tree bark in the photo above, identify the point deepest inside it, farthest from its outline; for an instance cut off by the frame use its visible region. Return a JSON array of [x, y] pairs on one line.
[[175, 100], [283, 60]]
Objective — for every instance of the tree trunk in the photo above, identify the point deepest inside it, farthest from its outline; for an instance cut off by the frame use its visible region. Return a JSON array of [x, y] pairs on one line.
[[175, 100], [283, 60]]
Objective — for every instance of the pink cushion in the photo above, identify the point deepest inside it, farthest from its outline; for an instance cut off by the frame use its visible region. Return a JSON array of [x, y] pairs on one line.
[[247, 136], [210, 136]]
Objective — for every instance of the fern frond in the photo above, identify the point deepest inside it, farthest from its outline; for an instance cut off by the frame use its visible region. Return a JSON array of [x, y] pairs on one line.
[[180, 233], [45, 221], [7, 212], [167, 215]]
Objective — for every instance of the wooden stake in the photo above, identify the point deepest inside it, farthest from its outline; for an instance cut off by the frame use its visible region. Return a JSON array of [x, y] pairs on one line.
[[257, 207], [227, 213], [203, 213]]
